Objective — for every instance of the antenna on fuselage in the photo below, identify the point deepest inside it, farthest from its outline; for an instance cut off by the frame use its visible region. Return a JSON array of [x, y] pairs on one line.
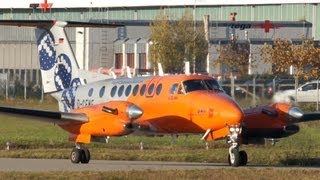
[[160, 70]]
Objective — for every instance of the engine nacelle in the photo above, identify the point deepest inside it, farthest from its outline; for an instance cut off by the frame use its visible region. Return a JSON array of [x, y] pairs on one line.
[[113, 118]]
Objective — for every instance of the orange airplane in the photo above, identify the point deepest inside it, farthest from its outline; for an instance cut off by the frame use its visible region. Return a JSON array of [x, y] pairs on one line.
[[91, 110]]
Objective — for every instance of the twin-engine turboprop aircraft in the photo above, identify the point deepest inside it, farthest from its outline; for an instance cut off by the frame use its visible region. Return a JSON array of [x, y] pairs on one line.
[[154, 105]]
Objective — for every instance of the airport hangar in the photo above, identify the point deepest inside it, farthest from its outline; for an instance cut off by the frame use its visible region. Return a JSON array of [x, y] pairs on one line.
[[104, 48]]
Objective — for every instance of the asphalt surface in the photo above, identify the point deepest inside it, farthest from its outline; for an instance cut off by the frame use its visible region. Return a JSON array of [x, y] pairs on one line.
[[38, 165], [41, 165]]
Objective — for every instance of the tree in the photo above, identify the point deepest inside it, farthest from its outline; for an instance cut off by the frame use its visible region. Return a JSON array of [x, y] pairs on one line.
[[174, 42], [234, 56], [304, 57]]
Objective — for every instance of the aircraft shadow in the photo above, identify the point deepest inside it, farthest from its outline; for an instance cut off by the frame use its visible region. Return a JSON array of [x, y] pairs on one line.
[[306, 162]]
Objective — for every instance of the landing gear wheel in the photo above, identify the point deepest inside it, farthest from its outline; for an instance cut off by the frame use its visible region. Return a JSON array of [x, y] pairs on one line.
[[75, 156], [243, 158], [234, 157], [85, 156]]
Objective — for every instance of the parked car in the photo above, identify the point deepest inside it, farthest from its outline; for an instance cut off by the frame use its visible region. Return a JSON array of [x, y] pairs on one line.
[[279, 85], [308, 92]]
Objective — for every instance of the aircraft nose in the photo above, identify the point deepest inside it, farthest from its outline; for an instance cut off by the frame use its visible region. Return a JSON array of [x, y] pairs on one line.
[[231, 112]]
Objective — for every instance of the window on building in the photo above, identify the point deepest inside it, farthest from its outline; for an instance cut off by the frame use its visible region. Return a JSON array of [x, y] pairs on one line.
[[130, 60], [142, 61], [118, 61]]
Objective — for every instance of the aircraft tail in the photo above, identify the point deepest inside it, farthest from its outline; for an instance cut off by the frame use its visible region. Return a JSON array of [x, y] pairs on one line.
[[58, 65], [59, 68]]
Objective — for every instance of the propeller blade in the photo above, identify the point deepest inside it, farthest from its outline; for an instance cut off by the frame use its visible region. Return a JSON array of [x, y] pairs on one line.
[[310, 117]]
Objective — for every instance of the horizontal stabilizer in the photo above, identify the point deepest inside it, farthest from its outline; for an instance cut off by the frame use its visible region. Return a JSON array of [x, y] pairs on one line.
[[46, 116], [45, 23]]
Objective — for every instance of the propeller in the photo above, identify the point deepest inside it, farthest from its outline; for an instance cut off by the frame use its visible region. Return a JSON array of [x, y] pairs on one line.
[[300, 116]]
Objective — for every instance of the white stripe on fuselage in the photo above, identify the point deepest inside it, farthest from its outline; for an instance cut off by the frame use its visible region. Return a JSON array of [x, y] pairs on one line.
[[97, 93]]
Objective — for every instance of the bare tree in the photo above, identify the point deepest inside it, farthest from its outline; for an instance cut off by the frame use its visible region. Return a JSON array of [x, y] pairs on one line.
[[234, 56]]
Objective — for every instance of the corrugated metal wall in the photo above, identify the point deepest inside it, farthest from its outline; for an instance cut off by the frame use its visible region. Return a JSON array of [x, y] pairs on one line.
[[284, 12]]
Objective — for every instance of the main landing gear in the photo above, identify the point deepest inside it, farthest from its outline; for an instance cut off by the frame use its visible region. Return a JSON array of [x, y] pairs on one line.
[[236, 158], [80, 154]]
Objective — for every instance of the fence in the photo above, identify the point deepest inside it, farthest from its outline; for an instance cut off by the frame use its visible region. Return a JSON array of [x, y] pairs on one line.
[[256, 89], [20, 83]]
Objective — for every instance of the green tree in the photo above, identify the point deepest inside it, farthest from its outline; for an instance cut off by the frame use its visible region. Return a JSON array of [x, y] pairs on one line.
[[174, 42]]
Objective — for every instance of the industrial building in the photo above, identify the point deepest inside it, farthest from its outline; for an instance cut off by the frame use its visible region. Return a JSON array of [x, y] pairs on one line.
[[254, 23]]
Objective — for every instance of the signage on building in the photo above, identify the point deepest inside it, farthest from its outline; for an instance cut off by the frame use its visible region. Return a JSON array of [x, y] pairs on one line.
[[267, 25]]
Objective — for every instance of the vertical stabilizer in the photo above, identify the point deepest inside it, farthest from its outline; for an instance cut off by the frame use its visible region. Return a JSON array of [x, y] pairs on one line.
[[59, 68]]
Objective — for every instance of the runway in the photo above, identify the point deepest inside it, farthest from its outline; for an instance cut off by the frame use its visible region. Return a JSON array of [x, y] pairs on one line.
[[41, 165], [38, 165]]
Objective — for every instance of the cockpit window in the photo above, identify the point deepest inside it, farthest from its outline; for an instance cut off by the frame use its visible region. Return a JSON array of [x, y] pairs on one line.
[[213, 84], [173, 88], [194, 85], [201, 84]]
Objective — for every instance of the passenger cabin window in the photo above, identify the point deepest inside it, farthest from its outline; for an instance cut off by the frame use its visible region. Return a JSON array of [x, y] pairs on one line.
[[173, 88], [113, 91], [143, 90], [150, 89], [120, 91], [128, 90], [90, 92], [159, 88], [102, 90], [135, 90]]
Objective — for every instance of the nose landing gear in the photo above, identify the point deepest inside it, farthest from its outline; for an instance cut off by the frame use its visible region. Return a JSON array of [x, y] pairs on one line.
[[236, 158], [80, 154]]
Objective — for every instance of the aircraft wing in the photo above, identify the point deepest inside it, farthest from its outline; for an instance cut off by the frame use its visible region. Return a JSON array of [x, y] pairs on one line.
[[46, 116]]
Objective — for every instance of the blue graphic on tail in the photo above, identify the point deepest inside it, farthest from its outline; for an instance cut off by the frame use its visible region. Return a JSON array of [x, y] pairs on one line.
[[47, 52], [60, 63], [63, 72], [68, 97]]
